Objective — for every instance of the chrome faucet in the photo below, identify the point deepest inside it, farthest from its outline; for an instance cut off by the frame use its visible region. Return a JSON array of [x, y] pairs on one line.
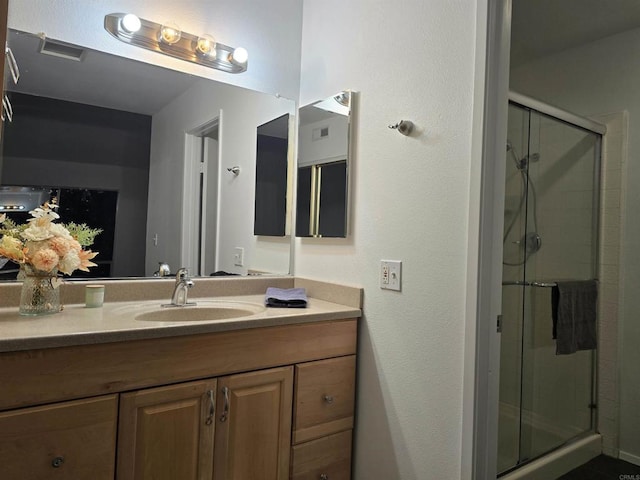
[[182, 286]]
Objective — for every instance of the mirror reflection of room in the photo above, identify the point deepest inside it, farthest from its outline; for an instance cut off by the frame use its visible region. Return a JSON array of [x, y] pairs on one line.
[[112, 127], [323, 167]]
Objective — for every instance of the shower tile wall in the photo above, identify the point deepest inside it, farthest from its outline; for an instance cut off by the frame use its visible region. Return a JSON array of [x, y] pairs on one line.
[[614, 163]]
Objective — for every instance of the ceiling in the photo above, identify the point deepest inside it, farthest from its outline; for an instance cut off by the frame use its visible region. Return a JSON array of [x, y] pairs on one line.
[[544, 27], [99, 79]]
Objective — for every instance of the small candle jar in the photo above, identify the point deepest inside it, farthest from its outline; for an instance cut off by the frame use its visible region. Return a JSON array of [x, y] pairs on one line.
[[94, 296]]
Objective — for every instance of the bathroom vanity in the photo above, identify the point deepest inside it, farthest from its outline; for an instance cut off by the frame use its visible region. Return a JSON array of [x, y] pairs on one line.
[[94, 394]]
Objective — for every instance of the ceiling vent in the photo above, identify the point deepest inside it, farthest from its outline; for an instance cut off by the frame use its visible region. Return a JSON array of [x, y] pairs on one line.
[[62, 50]]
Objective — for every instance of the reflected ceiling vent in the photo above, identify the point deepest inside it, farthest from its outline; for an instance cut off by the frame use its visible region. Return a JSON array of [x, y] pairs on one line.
[[61, 50]]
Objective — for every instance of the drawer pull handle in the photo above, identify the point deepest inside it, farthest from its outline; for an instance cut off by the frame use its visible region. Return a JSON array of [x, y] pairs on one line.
[[57, 462], [328, 399], [225, 410], [212, 408], [324, 476]]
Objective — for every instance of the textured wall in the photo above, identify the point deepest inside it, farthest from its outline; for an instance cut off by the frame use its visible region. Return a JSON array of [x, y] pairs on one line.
[[412, 59]]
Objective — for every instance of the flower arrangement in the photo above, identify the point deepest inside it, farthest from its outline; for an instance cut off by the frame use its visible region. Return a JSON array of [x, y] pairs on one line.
[[46, 246]]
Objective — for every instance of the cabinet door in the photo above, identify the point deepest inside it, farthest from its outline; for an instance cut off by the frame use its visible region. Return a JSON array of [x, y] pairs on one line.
[[72, 440], [253, 432], [166, 433]]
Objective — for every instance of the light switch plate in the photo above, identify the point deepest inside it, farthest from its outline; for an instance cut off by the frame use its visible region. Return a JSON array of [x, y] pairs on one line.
[[391, 275], [238, 257]]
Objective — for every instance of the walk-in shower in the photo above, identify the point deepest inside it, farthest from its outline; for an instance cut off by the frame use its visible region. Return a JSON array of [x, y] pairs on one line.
[[550, 235]]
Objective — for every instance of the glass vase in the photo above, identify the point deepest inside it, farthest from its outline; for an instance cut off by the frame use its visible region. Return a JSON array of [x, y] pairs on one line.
[[40, 294]]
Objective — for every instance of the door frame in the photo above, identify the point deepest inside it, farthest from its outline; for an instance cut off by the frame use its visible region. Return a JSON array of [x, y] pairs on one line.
[[193, 151], [482, 348]]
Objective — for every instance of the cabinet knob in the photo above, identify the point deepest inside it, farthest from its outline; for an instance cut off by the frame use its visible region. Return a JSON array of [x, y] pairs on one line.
[[57, 462], [328, 399], [324, 476]]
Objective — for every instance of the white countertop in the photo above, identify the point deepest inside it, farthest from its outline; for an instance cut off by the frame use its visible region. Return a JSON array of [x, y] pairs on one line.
[[115, 322]]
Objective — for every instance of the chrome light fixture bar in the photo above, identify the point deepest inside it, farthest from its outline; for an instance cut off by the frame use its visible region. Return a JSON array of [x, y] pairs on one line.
[[203, 49]]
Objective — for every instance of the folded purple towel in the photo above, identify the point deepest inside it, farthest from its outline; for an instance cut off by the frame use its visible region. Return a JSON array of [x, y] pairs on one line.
[[286, 297]]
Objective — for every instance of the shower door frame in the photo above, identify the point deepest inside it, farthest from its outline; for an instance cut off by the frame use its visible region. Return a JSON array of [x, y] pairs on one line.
[[482, 355], [533, 105]]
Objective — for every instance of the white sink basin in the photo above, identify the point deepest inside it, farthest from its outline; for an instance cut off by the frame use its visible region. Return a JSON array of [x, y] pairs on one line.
[[204, 311]]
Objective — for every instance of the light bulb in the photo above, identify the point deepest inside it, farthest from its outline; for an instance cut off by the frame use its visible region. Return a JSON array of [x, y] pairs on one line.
[[239, 56], [170, 33], [206, 45], [131, 23]]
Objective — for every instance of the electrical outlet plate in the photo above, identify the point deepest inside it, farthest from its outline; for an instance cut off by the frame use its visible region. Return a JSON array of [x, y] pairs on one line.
[[238, 257], [391, 275]]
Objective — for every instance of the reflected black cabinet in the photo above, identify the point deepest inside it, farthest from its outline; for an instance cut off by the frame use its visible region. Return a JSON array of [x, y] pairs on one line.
[[272, 161], [322, 200]]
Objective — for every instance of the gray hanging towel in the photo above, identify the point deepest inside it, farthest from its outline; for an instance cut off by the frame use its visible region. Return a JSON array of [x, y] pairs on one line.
[[574, 315]]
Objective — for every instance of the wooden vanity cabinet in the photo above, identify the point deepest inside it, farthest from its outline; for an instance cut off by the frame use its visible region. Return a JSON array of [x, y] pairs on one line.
[[58, 402], [253, 433], [167, 433], [69, 440], [323, 419]]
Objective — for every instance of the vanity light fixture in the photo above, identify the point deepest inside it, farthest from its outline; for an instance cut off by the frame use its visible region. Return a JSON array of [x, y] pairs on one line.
[[170, 33], [170, 40], [131, 23]]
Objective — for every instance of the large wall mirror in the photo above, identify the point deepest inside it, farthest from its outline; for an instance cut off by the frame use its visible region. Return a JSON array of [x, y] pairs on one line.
[[163, 161], [322, 208]]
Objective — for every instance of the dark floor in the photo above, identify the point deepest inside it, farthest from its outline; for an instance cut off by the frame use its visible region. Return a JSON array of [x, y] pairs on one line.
[[604, 468]]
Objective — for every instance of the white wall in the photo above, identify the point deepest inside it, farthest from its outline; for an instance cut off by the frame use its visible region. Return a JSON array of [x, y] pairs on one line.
[[270, 31], [242, 111], [414, 60], [331, 148], [599, 78]]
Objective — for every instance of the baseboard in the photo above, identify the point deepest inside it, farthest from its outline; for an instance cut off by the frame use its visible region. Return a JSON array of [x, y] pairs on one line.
[[628, 457]]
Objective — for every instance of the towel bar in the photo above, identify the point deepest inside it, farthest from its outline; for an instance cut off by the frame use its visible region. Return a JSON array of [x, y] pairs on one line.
[[530, 284], [523, 283]]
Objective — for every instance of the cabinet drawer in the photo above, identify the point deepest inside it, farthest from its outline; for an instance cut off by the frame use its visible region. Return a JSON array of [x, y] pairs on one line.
[[324, 398], [72, 440], [329, 456]]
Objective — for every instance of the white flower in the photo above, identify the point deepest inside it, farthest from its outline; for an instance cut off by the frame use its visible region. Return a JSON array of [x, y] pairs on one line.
[[3, 217], [59, 231], [36, 234], [43, 212], [69, 263]]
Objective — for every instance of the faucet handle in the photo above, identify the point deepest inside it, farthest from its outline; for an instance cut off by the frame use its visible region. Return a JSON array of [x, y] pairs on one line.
[[182, 274]]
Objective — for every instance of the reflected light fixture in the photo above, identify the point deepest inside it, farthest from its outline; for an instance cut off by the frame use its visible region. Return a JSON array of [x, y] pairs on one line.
[[167, 38]]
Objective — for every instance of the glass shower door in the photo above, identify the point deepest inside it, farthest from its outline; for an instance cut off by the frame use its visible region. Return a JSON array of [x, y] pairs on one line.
[[550, 235], [512, 293]]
